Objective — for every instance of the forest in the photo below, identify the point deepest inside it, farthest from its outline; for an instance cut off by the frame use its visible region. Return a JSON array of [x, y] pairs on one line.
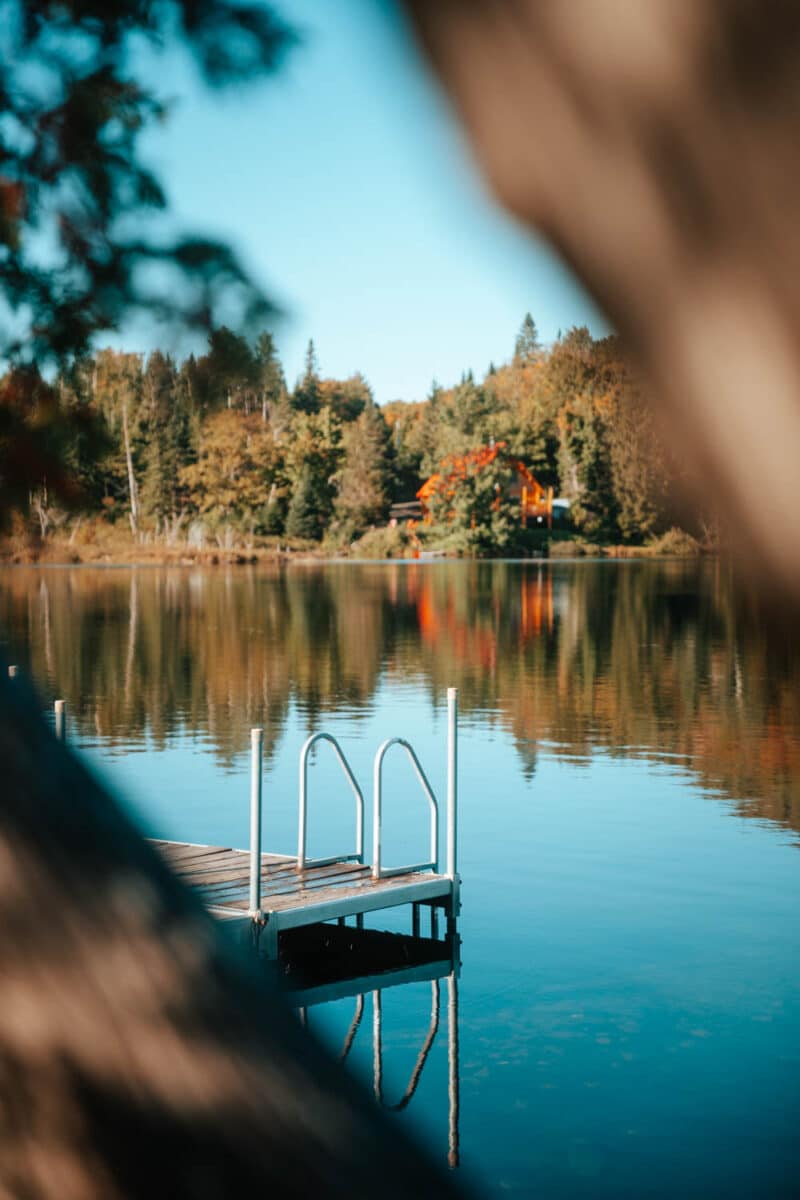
[[218, 450]]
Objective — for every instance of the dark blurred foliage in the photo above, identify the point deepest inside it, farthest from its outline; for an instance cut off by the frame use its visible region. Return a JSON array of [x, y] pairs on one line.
[[79, 250], [46, 447]]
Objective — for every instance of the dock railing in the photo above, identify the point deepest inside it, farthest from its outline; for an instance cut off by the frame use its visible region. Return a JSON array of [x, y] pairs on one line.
[[302, 859], [379, 870]]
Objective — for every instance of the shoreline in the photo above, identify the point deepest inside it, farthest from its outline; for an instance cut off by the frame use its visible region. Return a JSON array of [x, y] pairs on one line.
[[102, 545], [287, 558]]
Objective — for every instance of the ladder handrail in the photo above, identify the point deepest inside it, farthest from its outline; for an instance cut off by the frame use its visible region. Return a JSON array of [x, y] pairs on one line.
[[353, 1029], [379, 871], [422, 1057], [302, 860]]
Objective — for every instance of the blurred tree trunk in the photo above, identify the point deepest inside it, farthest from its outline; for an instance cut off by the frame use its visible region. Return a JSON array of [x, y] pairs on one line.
[[140, 1056], [655, 145]]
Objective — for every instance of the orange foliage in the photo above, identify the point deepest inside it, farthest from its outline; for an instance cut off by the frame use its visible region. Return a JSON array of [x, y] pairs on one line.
[[455, 468]]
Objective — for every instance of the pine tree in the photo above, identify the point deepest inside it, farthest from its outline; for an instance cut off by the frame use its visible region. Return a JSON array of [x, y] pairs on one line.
[[527, 347], [363, 480], [271, 381], [303, 518], [166, 426], [306, 396]]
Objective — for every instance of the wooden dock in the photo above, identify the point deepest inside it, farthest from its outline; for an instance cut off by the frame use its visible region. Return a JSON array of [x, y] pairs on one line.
[[291, 897], [273, 893]]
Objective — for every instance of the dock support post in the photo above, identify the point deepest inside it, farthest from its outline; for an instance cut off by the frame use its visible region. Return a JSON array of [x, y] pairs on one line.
[[452, 799], [256, 748], [61, 720], [12, 672]]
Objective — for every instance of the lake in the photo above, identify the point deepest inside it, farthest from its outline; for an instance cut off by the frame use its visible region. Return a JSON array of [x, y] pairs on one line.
[[629, 842]]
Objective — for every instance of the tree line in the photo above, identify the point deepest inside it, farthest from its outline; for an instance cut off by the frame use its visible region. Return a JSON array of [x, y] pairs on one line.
[[219, 446]]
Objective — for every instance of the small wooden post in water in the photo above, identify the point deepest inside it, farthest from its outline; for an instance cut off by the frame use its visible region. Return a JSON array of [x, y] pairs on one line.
[[256, 748], [61, 720]]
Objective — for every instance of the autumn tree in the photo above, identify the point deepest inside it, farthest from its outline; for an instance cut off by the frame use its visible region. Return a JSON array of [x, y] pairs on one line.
[[471, 499], [348, 397], [238, 474], [363, 479]]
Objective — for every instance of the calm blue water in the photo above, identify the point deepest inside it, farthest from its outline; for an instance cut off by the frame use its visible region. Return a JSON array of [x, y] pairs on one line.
[[629, 1003]]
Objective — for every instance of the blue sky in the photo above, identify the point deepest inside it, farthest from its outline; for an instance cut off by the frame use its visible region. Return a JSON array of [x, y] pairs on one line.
[[344, 183]]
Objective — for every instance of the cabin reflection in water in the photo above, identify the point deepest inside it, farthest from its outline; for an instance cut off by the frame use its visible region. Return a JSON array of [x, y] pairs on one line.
[[325, 963]]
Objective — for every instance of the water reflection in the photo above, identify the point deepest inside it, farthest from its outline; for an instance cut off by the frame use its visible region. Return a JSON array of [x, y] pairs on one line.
[[647, 657], [325, 963]]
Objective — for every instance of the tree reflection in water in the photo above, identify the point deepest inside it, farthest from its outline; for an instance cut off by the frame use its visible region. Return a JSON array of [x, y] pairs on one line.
[[655, 658]]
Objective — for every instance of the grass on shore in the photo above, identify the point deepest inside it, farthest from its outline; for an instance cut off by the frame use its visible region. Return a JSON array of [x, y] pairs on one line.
[[102, 542]]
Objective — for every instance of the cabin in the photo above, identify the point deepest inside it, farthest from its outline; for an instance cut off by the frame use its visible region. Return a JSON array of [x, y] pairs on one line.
[[537, 504]]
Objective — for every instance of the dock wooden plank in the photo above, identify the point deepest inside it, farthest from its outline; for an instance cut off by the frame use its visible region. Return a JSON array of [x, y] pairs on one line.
[[281, 888], [183, 854], [363, 886], [291, 897], [241, 863], [286, 885], [196, 868]]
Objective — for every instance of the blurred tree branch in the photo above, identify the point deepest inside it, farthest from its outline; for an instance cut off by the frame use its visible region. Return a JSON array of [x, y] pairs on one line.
[[79, 253]]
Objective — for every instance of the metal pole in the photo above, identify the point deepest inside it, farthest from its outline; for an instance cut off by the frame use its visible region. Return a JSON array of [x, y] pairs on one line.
[[12, 672], [61, 720], [452, 782], [256, 748], [376, 817], [452, 1070], [377, 1056], [302, 808]]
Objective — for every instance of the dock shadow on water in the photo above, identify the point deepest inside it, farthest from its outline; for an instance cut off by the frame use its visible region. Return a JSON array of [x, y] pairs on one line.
[[629, 1002]]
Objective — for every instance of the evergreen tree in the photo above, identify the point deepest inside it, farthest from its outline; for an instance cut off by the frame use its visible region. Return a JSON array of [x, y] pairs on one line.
[[88, 446], [228, 375], [363, 480], [314, 444], [304, 519], [527, 346], [272, 384], [166, 427], [306, 396]]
